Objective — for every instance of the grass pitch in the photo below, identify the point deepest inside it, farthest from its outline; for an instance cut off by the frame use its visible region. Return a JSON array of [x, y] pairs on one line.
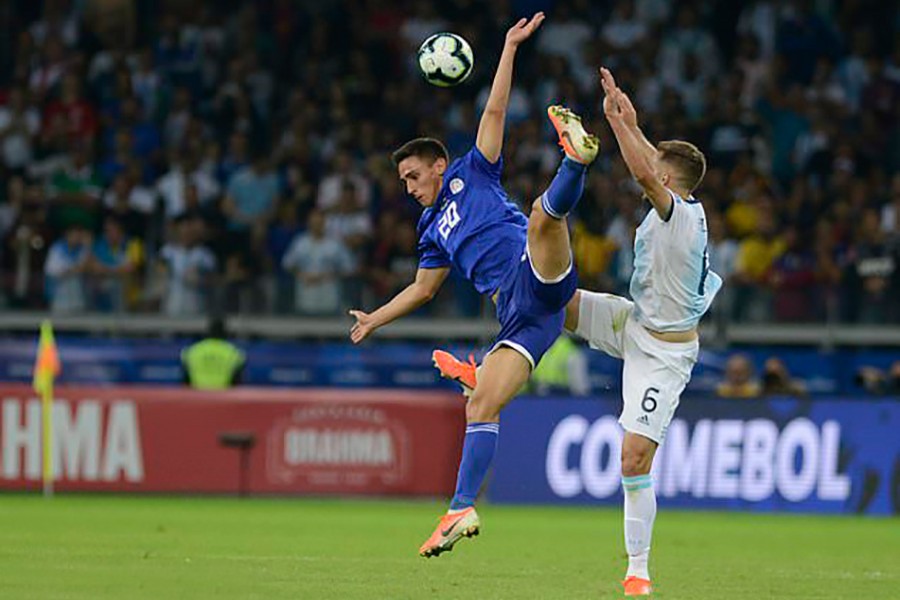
[[98, 547]]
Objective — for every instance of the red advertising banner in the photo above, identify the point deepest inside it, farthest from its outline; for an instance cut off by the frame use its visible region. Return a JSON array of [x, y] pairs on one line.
[[146, 439]]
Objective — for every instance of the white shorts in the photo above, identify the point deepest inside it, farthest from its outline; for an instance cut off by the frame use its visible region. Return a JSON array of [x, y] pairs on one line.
[[655, 372]]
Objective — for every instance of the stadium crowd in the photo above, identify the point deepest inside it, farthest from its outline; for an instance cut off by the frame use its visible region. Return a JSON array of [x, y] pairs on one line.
[[172, 155]]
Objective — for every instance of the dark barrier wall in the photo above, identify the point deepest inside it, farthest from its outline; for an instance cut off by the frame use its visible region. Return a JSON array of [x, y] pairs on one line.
[[168, 440], [834, 455]]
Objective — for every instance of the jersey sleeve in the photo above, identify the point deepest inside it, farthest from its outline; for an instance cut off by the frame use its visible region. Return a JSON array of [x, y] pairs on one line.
[[430, 255], [482, 166]]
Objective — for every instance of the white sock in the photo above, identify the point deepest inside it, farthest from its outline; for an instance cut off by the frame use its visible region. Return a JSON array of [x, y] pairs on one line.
[[640, 511]]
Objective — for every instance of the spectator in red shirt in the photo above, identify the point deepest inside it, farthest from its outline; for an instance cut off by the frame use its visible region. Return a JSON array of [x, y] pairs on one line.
[[73, 110]]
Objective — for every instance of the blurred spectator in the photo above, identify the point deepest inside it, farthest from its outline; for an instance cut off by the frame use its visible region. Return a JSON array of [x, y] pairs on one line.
[[796, 105], [117, 259], [75, 191], [877, 381], [19, 125], [48, 68], [623, 30], [778, 382], [756, 255], [688, 38], [318, 263], [236, 158], [213, 363], [794, 279], [740, 380], [173, 186], [872, 274], [565, 34], [251, 196], [562, 370], [188, 267], [72, 110], [67, 262], [349, 221], [25, 246], [890, 214], [131, 203], [332, 185], [394, 258]]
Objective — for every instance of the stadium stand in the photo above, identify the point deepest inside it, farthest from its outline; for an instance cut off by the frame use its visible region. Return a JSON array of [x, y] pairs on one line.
[[166, 157]]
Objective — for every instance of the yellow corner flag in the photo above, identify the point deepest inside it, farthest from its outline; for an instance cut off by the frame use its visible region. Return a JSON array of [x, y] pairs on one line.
[[46, 369]]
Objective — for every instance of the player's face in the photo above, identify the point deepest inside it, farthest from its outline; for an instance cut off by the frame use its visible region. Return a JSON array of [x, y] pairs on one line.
[[421, 179]]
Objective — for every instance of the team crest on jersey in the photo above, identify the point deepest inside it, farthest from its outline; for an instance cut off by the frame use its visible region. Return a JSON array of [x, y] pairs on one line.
[[456, 185]]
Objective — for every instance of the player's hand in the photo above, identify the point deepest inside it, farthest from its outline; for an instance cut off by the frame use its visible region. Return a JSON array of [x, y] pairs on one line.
[[610, 101], [626, 108], [522, 30], [363, 327]]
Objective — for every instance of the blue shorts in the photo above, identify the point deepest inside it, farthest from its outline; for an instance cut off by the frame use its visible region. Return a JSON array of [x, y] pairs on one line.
[[532, 310]]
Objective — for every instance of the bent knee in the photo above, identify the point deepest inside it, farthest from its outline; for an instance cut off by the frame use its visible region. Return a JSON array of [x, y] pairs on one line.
[[484, 406], [539, 219]]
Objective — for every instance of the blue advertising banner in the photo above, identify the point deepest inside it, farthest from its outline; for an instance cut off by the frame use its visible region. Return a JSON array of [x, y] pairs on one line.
[[389, 364], [832, 455]]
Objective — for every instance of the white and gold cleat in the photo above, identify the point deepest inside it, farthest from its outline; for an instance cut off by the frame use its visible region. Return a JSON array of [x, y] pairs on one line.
[[578, 144]]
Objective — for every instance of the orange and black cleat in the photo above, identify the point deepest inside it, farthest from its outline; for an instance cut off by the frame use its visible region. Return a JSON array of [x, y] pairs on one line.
[[453, 527]]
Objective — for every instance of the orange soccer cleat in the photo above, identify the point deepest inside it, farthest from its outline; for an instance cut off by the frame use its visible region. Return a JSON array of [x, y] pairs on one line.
[[453, 527], [635, 586], [578, 144], [454, 369]]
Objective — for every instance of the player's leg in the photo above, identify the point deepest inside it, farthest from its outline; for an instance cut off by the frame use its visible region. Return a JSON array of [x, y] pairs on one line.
[[593, 316], [653, 377], [501, 375], [640, 510], [599, 319], [548, 235]]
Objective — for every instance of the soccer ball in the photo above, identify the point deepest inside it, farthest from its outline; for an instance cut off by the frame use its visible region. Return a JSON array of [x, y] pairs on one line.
[[445, 59]]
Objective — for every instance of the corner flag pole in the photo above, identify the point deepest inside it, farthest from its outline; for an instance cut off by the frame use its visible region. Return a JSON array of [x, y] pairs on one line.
[[46, 369]]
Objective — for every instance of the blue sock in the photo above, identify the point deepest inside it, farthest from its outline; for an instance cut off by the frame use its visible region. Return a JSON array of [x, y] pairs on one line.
[[565, 189], [477, 455]]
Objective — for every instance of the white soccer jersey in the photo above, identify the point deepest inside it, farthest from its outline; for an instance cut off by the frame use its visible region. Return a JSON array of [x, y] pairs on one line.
[[672, 286]]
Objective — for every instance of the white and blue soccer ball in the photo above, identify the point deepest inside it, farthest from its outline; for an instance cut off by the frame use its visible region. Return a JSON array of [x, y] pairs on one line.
[[445, 59]]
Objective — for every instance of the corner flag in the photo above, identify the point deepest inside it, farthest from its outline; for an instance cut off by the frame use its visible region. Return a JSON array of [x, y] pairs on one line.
[[46, 369]]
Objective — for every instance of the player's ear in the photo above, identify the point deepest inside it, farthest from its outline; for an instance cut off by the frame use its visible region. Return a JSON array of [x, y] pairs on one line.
[[440, 165]]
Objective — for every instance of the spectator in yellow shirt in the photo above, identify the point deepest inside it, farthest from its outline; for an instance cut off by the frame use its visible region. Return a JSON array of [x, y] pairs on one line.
[[740, 379], [755, 257]]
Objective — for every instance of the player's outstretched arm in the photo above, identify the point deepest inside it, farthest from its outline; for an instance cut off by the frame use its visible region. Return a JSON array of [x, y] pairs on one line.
[[419, 292], [640, 161], [489, 139]]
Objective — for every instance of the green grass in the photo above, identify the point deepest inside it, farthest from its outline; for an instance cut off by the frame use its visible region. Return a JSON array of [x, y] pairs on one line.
[[97, 547]]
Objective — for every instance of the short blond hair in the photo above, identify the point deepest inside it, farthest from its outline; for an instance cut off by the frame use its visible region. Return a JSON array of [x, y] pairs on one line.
[[687, 159]]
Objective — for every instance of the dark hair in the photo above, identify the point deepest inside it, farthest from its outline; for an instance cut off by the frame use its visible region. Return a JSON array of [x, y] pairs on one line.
[[428, 149], [216, 328], [687, 159]]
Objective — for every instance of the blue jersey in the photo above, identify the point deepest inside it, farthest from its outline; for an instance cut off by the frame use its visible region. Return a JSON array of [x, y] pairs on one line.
[[472, 225]]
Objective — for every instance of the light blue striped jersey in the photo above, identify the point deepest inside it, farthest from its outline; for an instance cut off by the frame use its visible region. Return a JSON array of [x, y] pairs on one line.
[[672, 286]]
